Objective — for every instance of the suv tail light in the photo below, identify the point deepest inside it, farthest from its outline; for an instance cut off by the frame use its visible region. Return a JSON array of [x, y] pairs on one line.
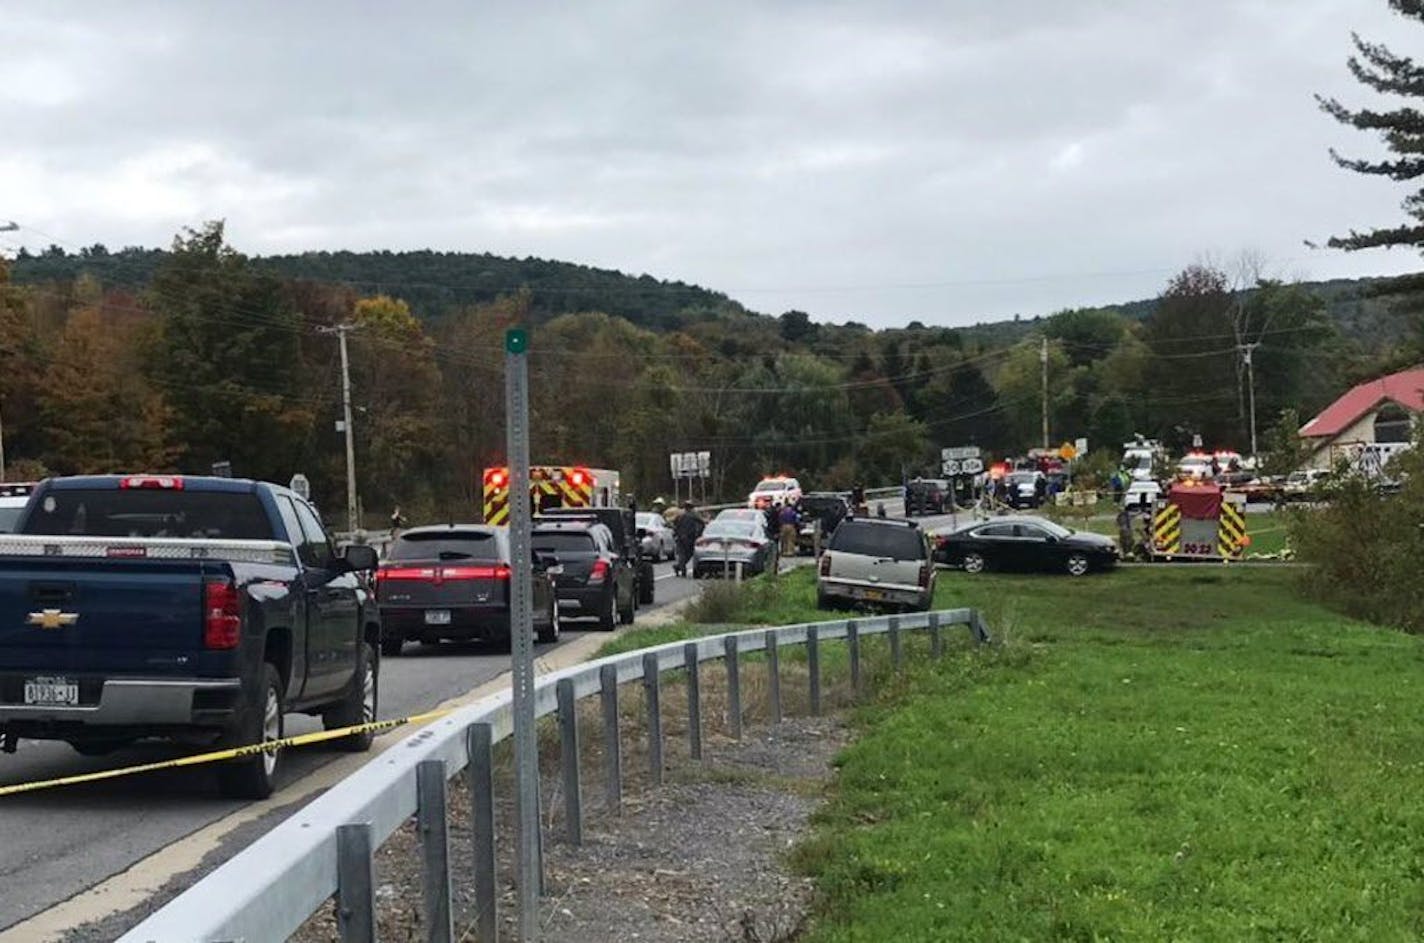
[[925, 570], [599, 573], [825, 564], [222, 615]]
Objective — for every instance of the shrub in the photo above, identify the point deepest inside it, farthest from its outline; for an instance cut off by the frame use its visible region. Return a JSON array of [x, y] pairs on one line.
[[1365, 548]]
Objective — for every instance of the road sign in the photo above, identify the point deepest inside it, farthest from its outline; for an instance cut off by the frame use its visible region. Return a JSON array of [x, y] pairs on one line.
[[675, 464], [521, 628], [704, 464], [1067, 452], [1082, 446], [949, 467], [222, 469], [971, 466], [301, 486], [690, 464], [959, 453]]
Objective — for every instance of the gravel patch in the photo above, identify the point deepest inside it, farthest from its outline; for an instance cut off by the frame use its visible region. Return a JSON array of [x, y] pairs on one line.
[[700, 859]]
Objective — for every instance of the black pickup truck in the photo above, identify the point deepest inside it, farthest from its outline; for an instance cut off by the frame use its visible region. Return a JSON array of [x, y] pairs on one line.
[[201, 610]]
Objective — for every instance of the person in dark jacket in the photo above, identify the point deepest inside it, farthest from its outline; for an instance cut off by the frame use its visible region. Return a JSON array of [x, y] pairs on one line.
[[685, 531]]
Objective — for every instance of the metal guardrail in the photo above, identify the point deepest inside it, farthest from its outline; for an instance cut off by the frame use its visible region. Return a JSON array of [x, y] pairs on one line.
[[267, 891]]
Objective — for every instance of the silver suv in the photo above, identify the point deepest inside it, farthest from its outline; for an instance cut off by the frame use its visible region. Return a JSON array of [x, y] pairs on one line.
[[876, 562]]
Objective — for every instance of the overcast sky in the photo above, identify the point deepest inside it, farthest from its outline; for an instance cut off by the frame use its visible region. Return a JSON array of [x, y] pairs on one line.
[[942, 161]]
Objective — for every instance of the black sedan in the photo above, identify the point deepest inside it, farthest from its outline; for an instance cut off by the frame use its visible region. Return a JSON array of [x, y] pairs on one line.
[[1024, 543]]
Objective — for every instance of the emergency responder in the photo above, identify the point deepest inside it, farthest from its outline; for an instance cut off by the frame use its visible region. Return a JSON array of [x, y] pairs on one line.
[[790, 525], [772, 523], [857, 500], [685, 531]]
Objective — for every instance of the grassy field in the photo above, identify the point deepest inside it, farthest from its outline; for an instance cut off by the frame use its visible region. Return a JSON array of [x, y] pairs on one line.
[[1174, 754]]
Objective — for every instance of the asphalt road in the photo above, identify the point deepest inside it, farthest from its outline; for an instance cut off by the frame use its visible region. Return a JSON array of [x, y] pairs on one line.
[[58, 843]]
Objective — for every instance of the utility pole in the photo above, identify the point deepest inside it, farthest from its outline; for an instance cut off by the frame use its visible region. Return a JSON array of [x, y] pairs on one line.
[[1043, 359], [341, 330], [1246, 351]]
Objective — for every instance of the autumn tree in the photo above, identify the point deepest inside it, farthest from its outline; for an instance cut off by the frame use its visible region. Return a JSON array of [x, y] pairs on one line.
[[101, 414]]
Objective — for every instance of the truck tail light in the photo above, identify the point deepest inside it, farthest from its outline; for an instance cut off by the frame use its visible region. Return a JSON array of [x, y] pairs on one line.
[[498, 572], [925, 571], [222, 615], [166, 482], [599, 573], [825, 564]]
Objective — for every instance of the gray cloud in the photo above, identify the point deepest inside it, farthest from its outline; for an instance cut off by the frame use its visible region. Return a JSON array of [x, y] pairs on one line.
[[885, 162]]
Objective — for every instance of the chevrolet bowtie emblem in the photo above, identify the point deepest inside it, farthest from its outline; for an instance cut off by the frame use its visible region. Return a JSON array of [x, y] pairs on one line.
[[52, 618]]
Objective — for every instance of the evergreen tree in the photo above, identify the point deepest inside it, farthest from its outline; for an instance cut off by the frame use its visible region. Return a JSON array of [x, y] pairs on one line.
[[1402, 130]]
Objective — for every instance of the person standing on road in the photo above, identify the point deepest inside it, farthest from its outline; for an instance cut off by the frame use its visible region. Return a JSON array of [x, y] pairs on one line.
[[773, 519], [685, 531], [790, 526], [397, 522]]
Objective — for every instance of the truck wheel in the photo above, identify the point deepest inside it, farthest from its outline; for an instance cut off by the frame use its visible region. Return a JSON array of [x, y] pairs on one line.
[[608, 618], [549, 634], [255, 776], [391, 647], [1078, 564], [359, 705]]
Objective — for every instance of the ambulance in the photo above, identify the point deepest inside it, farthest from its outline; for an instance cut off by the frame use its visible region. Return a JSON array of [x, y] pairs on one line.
[[551, 486], [1199, 520]]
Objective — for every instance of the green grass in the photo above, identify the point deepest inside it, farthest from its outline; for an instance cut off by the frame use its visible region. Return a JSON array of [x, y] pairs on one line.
[[1173, 754]]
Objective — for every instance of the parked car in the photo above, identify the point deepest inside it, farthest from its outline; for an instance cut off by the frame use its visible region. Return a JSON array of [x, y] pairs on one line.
[[926, 496], [740, 514], [622, 524], [13, 498], [1025, 489], [727, 542], [451, 582], [1142, 492], [778, 490], [1266, 489], [873, 561], [1304, 485], [655, 537], [200, 609], [595, 579], [823, 511], [1025, 543]]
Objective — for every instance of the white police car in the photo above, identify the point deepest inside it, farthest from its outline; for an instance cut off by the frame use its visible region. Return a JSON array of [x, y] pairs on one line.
[[13, 498]]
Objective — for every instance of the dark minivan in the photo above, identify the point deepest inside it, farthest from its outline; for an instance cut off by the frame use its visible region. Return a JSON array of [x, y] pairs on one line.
[[452, 581]]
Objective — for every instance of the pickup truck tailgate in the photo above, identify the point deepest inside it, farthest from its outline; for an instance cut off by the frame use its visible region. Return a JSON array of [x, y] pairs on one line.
[[68, 615]]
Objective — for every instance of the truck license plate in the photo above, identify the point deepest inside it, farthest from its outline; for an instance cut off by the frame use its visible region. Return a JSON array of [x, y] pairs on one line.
[[437, 617], [50, 692], [873, 594]]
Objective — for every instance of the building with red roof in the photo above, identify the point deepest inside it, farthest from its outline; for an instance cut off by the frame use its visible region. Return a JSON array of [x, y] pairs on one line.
[[1377, 417]]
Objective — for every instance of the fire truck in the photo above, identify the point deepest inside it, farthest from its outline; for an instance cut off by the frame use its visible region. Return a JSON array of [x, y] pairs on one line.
[[1199, 520], [551, 486]]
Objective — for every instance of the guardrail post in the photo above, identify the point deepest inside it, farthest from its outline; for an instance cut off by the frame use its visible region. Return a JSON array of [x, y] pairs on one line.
[[936, 640], [655, 720], [977, 626], [479, 741], [853, 645], [734, 686], [694, 700], [569, 760], [813, 667], [434, 851], [773, 675], [355, 887], [896, 656], [612, 747]]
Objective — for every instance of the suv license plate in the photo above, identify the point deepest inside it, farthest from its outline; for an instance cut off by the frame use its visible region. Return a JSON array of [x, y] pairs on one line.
[[873, 594], [437, 617], [50, 692]]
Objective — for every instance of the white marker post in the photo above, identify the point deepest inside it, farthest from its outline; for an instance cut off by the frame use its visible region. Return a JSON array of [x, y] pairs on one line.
[[521, 628]]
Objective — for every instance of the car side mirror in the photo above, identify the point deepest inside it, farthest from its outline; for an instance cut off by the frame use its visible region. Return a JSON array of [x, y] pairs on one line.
[[642, 532], [360, 557]]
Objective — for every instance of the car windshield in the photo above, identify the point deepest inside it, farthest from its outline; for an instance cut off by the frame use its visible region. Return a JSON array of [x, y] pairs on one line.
[[557, 542], [9, 517], [739, 514], [738, 529], [157, 512], [879, 540], [648, 521], [773, 486], [1022, 478], [446, 545]]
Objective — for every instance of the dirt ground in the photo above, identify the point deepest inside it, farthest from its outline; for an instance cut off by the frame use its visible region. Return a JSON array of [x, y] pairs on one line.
[[700, 859]]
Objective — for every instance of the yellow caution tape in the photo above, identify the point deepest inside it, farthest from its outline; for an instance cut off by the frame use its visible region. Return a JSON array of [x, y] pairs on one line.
[[231, 753]]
